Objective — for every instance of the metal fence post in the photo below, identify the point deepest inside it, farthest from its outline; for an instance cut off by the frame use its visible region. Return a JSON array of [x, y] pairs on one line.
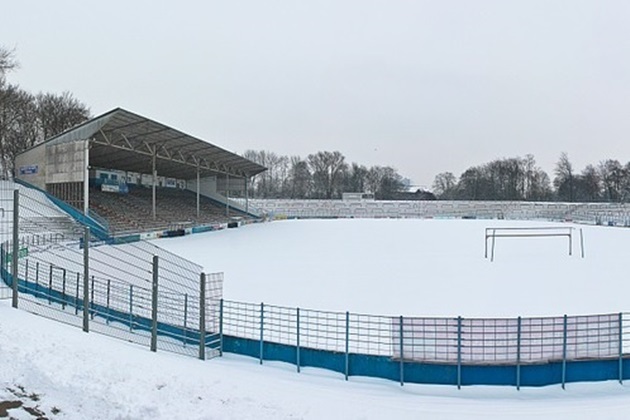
[[50, 279], [185, 318], [402, 357], [202, 316], [518, 353], [297, 337], [347, 344], [16, 247], [86, 277], [92, 298], [109, 286], [221, 327], [130, 307], [154, 305], [262, 329], [26, 276], [37, 279], [64, 298], [459, 349], [621, 348], [76, 294], [564, 351]]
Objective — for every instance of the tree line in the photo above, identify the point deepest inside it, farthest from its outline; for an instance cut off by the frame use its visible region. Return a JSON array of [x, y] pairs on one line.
[[520, 179], [323, 175], [27, 119]]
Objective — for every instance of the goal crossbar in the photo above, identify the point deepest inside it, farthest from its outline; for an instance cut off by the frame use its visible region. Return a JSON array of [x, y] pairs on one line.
[[529, 232]]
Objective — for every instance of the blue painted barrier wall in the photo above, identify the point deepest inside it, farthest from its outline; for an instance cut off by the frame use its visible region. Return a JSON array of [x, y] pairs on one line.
[[432, 373]]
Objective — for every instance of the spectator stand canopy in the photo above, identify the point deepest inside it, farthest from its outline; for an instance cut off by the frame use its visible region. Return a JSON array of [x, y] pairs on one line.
[[125, 141]]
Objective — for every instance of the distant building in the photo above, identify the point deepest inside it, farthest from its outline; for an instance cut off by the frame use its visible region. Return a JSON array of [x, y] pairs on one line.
[[410, 196], [357, 196]]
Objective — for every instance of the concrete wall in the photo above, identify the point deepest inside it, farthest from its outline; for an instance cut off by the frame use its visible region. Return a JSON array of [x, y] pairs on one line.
[[207, 186], [65, 162], [237, 185], [30, 166]]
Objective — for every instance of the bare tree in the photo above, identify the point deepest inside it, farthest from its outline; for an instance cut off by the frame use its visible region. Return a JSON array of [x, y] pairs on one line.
[[58, 113], [321, 175], [327, 168], [565, 178], [612, 175], [356, 179], [501, 179], [591, 184], [444, 185], [18, 125], [272, 182], [7, 62], [300, 179], [474, 185], [384, 182]]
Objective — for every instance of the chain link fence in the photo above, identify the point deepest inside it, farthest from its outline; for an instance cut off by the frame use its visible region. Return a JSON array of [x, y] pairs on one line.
[[137, 292], [272, 332]]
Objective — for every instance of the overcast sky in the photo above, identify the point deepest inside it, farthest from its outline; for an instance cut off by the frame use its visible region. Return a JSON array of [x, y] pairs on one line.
[[424, 86]]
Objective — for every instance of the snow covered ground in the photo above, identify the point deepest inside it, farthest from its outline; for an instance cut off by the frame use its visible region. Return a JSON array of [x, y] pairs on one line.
[[415, 267], [411, 267], [91, 376]]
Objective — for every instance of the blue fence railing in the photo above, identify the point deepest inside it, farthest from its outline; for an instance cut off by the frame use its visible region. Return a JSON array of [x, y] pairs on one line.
[[97, 230]]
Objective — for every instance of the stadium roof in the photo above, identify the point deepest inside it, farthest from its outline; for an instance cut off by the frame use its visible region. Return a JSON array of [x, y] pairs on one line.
[[120, 139]]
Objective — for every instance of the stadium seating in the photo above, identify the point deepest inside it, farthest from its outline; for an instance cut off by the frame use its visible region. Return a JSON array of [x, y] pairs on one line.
[[175, 209]]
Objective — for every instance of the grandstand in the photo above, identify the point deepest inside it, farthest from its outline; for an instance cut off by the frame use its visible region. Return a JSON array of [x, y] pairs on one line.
[[175, 209], [129, 174]]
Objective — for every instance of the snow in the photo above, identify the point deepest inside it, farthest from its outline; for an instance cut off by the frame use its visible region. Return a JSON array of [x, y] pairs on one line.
[[93, 376], [411, 267]]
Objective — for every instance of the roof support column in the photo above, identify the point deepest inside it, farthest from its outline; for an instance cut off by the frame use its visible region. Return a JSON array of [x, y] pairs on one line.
[[198, 192], [154, 172], [86, 178], [246, 195], [227, 195]]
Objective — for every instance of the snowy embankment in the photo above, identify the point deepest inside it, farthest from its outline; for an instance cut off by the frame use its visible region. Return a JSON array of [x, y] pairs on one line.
[[76, 375]]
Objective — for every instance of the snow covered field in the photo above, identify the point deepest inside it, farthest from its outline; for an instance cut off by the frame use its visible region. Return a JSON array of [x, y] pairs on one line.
[[410, 267], [415, 267]]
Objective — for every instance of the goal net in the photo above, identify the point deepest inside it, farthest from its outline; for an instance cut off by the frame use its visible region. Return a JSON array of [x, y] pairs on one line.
[[493, 233]]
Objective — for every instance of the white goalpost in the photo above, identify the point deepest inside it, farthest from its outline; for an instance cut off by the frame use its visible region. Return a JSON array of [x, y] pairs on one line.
[[492, 233]]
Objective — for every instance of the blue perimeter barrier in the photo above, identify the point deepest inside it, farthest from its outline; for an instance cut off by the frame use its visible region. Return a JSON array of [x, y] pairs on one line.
[[352, 364], [432, 373]]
